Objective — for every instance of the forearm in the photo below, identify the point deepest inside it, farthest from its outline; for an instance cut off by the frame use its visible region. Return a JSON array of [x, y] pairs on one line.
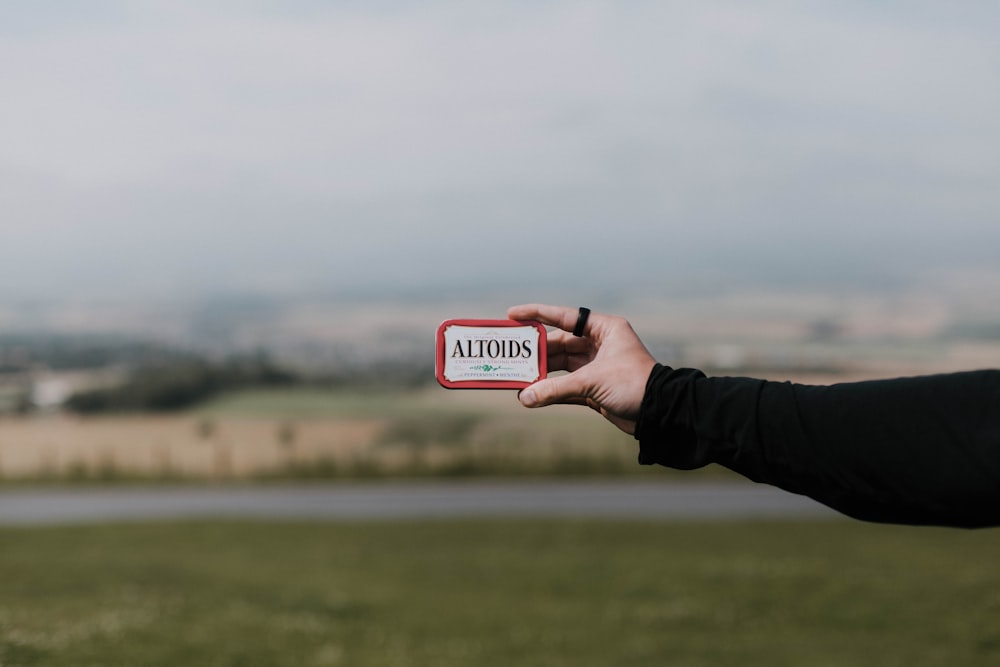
[[912, 450]]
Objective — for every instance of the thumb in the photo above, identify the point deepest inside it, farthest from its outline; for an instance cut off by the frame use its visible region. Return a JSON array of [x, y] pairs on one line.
[[561, 389]]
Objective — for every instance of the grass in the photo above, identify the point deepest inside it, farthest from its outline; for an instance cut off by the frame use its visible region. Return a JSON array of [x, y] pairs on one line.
[[499, 593]]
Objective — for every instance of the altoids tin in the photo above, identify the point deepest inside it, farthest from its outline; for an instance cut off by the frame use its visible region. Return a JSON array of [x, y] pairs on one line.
[[490, 354]]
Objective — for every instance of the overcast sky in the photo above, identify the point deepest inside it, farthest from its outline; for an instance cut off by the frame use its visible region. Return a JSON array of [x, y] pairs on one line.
[[191, 148]]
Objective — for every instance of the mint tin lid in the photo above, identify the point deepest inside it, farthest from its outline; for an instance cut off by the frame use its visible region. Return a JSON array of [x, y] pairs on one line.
[[490, 354]]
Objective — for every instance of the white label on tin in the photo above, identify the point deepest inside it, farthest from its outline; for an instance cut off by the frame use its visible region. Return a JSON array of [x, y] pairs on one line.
[[491, 353]]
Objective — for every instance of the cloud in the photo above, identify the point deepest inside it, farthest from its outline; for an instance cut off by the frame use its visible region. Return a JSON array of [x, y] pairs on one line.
[[309, 140]]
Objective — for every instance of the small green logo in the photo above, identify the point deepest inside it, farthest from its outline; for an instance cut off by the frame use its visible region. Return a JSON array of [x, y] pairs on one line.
[[486, 368]]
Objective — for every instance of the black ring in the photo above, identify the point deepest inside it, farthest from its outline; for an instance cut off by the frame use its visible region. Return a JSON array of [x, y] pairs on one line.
[[581, 321]]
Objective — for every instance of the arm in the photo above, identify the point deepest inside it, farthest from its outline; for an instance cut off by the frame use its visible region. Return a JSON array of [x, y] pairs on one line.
[[922, 450], [913, 450]]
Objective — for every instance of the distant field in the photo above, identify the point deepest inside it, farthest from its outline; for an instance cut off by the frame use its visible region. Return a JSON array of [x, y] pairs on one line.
[[301, 433], [483, 593], [316, 403]]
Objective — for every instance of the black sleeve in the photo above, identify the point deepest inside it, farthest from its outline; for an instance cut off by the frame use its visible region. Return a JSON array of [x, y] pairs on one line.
[[922, 450]]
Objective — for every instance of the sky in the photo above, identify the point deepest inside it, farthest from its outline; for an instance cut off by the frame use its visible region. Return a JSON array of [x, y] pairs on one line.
[[186, 149]]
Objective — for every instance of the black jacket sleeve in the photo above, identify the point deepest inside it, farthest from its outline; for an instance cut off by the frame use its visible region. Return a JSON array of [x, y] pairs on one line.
[[921, 450]]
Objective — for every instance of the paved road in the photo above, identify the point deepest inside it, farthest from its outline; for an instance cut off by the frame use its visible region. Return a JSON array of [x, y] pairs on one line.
[[621, 499]]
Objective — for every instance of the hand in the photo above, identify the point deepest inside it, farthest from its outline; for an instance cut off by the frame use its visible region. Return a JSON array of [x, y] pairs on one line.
[[608, 366]]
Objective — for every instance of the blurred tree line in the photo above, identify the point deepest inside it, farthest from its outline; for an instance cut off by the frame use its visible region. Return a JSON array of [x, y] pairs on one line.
[[183, 384], [60, 352], [179, 385], [156, 377]]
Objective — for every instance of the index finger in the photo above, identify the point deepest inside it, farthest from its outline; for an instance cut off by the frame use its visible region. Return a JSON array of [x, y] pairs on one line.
[[567, 352], [556, 316]]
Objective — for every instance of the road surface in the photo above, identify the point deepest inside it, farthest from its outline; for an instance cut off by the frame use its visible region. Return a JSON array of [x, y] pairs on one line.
[[403, 500]]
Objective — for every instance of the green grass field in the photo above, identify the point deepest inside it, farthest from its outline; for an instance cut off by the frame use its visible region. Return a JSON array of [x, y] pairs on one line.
[[499, 593]]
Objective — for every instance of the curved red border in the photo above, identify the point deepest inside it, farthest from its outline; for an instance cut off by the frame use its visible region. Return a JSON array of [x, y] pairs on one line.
[[489, 384]]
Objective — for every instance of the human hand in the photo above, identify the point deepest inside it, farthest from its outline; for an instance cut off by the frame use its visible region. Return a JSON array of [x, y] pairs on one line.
[[608, 365]]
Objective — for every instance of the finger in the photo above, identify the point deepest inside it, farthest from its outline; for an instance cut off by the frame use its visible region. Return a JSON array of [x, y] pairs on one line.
[[560, 389], [567, 362], [568, 401], [563, 342], [567, 352], [556, 316], [525, 311]]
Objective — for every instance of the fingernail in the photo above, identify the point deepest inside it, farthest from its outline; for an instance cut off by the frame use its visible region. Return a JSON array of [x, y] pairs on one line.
[[528, 398]]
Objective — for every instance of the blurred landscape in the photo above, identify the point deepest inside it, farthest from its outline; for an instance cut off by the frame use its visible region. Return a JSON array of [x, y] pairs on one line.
[[267, 388], [229, 230]]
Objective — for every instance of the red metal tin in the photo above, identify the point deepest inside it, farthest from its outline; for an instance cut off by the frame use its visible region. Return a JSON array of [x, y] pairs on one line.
[[490, 354]]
